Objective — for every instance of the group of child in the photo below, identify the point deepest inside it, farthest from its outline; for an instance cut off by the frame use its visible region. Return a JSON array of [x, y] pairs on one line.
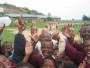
[[46, 50]]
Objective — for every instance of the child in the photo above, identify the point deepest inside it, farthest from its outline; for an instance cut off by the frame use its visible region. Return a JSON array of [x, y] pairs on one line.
[[48, 62], [59, 58], [44, 36], [68, 60], [7, 49], [5, 63], [23, 65], [68, 63], [77, 56], [85, 30], [36, 60]]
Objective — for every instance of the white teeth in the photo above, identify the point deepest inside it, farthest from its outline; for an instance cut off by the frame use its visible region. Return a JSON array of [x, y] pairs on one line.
[[88, 52]]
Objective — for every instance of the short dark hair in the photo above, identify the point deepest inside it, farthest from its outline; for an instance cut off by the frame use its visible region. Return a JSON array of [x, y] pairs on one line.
[[50, 58], [44, 42], [5, 43], [23, 64], [86, 38]]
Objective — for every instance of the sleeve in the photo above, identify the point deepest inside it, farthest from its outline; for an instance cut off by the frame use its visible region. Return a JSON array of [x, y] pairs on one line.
[[35, 60], [78, 47], [75, 55], [19, 48]]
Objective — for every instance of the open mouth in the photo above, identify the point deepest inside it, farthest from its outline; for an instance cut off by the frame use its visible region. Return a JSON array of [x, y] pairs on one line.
[[45, 54], [88, 54]]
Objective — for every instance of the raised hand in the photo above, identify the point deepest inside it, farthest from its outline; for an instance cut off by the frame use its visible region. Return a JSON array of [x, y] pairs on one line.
[[68, 31], [28, 48], [21, 24], [28, 51], [82, 65], [34, 39]]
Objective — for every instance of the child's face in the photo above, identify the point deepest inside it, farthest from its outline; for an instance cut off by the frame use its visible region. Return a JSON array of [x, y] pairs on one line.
[[67, 60], [7, 47], [87, 48], [5, 62], [85, 31], [48, 64], [46, 49]]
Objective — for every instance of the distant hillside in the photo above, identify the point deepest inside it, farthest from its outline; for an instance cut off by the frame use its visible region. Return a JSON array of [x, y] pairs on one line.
[[9, 9]]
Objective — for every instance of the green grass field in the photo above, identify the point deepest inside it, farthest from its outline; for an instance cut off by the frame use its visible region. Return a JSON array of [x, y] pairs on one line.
[[9, 36]]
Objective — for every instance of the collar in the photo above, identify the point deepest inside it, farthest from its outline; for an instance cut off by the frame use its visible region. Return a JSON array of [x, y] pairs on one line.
[[88, 60], [51, 56]]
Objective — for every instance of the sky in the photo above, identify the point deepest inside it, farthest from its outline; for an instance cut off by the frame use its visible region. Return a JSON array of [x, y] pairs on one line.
[[65, 9]]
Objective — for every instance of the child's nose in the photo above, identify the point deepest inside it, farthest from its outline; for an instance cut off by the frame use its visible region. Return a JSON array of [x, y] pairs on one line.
[[46, 49], [89, 47]]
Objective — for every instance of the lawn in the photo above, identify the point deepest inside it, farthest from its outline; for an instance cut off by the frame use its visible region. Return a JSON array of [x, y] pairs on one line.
[[7, 35]]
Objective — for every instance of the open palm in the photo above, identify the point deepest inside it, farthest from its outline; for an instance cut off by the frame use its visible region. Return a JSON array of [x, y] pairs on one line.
[[28, 48]]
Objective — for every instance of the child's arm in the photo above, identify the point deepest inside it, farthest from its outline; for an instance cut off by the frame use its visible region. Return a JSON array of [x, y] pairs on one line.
[[69, 33], [28, 51], [29, 47], [75, 55], [19, 43], [21, 26]]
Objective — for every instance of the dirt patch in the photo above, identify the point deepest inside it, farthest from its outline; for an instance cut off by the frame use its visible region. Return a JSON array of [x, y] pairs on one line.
[[27, 33]]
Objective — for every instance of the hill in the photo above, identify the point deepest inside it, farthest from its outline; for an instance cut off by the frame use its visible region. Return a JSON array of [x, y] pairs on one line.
[[11, 9]]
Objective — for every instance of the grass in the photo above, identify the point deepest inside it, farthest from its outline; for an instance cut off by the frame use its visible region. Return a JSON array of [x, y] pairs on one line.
[[28, 25], [7, 35]]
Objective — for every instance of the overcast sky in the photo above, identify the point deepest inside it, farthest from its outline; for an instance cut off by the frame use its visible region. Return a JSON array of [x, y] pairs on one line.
[[66, 9]]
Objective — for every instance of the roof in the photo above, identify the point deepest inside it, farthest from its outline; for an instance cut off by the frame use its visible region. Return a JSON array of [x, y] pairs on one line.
[[18, 15], [30, 15]]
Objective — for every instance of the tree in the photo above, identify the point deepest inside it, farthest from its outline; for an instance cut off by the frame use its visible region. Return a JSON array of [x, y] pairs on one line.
[[85, 17], [49, 17], [49, 14]]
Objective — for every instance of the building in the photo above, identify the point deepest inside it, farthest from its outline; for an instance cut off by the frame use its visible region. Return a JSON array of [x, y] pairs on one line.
[[30, 17], [1, 11]]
